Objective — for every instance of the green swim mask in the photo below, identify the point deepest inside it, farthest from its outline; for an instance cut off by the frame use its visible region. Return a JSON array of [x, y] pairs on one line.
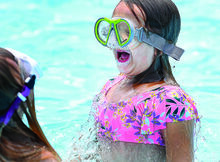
[[120, 33]]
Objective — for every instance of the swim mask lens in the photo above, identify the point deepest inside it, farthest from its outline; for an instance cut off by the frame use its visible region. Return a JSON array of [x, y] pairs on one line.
[[27, 63]]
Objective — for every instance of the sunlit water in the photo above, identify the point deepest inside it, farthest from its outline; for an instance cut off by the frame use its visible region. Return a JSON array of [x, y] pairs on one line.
[[59, 35]]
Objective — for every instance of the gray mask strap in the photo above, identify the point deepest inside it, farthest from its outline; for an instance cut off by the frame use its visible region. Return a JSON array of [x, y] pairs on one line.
[[159, 43]]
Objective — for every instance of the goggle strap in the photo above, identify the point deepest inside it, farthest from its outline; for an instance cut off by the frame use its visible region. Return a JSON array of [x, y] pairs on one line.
[[21, 96], [159, 43], [6, 118]]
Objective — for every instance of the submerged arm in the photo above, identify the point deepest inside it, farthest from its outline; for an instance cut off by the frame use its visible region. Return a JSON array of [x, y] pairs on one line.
[[178, 138]]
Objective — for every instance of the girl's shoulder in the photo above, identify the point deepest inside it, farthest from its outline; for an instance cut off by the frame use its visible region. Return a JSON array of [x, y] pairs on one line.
[[177, 94], [176, 104], [170, 93], [167, 104]]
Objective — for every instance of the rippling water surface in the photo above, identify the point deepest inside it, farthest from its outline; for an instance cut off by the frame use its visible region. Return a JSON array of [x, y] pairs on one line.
[[59, 35]]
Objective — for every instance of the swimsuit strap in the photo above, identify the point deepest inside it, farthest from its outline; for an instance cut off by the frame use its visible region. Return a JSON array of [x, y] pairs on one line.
[[111, 82]]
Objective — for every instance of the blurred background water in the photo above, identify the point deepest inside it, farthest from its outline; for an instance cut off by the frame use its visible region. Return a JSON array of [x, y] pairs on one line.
[[59, 35]]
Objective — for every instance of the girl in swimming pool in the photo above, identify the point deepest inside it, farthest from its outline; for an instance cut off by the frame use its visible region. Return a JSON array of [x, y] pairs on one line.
[[19, 142], [143, 114]]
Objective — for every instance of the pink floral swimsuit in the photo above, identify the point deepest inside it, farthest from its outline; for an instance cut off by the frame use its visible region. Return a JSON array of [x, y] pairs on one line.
[[141, 118]]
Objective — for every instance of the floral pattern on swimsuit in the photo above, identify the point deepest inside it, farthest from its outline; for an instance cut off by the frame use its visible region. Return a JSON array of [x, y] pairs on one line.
[[140, 118]]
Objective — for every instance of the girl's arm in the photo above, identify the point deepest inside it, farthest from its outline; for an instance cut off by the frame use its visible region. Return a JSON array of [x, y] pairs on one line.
[[178, 138]]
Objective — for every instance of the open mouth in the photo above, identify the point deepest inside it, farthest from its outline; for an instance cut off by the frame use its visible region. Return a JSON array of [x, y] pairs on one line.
[[122, 56]]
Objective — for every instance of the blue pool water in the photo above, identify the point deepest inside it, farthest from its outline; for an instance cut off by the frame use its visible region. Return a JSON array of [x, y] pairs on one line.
[[59, 35]]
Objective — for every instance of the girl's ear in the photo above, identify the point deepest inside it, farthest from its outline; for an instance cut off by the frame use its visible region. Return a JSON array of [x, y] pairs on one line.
[[155, 52]]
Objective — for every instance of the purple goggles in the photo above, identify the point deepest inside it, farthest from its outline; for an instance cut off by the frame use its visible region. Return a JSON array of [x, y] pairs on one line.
[[21, 96]]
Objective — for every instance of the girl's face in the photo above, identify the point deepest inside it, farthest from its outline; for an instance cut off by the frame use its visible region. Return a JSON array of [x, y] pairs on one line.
[[135, 60]]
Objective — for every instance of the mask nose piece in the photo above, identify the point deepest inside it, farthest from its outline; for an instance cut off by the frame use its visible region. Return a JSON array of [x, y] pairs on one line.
[[112, 41]]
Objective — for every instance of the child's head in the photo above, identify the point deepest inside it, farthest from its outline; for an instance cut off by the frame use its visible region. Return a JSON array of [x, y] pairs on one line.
[[14, 134], [10, 79], [157, 16]]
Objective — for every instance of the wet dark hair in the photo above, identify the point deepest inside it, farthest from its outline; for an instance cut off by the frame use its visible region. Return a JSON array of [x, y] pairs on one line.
[[162, 18]]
